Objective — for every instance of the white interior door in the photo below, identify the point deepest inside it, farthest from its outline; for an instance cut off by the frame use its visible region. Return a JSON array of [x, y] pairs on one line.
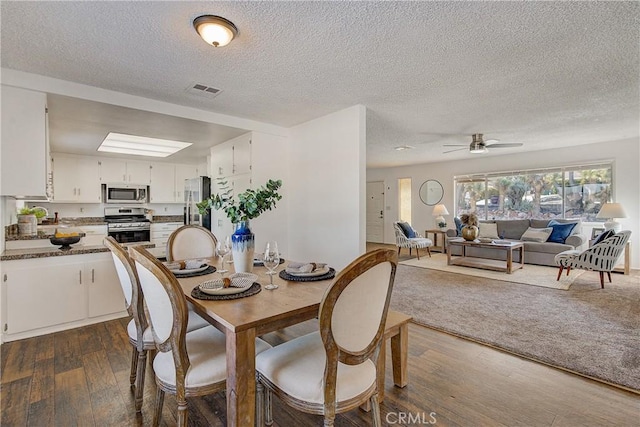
[[375, 212]]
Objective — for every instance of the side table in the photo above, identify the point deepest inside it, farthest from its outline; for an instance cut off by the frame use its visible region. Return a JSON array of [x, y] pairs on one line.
[[439, 240]]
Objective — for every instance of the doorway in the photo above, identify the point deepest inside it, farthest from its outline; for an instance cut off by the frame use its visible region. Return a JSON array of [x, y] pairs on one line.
[[375, 212]]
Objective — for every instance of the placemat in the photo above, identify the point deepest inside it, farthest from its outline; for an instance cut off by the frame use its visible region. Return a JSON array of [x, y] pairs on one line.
[[198, 294], [328, 275], [208, 270]]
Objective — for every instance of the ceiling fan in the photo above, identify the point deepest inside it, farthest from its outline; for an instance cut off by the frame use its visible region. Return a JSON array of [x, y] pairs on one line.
[[479, 146]]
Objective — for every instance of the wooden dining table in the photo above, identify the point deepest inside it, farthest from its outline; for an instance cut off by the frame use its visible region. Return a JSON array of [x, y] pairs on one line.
[[244, 319]]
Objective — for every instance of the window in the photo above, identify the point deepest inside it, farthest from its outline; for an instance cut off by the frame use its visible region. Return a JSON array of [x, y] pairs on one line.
[[404, 194], [569, 192]]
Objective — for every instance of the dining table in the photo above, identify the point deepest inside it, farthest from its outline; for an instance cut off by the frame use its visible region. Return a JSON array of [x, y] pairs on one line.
[[244, 319]]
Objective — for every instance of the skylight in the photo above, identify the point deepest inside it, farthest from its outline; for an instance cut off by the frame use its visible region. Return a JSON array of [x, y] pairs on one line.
[[140, 145]]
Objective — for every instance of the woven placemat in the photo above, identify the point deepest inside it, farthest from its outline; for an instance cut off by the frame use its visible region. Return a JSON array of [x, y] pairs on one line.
[[208, 270], [198, 294], [328, 275]]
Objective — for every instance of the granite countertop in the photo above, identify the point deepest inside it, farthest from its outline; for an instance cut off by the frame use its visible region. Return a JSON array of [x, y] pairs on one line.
[[47, 231], [32, 253], [167, 218], [40, 235]]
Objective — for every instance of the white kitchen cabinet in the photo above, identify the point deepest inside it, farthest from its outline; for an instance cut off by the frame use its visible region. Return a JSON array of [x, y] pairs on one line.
[[242, 156], [95, 234], [162, 186], [222, 160], [25, 149], [184, 172], [160, 233], [76, 179], [45, 295], [124, 171]]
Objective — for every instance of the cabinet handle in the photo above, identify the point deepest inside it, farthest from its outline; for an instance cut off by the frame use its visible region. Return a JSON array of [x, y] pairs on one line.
[[78, 191], [81, 277], [93, 275], [75, 190]]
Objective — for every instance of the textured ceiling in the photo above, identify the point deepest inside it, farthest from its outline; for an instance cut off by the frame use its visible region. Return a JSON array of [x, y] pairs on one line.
[[547, 74]]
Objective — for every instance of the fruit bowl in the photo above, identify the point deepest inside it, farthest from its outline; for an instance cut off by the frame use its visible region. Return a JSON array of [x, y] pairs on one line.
[[66, 242]]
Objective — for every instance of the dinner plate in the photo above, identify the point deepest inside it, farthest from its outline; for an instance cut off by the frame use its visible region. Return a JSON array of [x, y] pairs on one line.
[[190, 270], [239, 282], [317, 272], [223, 291]]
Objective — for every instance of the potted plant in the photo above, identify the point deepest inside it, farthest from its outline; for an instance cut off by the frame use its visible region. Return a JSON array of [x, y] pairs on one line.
[[27, 221], [240, 209], [470, 226]]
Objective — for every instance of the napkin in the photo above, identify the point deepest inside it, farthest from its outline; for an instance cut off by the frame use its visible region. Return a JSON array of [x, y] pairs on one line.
[[189, 264], [304, 267]]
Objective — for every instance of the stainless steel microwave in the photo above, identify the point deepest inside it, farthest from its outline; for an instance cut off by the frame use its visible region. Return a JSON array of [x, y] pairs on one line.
[[125, 193]]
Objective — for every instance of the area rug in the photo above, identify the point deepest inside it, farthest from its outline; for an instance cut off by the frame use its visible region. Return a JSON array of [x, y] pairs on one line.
[[536, 275], [586, 330]]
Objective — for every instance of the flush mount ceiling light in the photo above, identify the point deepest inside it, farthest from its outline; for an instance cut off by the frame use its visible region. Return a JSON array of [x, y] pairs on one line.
[[403, 147], [140, 145], [215, 30]]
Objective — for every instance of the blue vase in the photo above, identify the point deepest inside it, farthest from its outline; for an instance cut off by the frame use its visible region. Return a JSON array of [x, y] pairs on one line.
[[242, 247]]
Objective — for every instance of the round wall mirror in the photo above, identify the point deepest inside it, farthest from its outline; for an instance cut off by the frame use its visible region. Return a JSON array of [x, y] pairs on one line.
[[431, 192]]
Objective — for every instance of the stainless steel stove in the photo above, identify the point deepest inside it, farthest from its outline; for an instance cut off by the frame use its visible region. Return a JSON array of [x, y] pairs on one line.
[[127, 225]]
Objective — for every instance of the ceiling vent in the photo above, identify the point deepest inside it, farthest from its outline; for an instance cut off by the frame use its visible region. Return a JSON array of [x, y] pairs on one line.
[[203, 90]]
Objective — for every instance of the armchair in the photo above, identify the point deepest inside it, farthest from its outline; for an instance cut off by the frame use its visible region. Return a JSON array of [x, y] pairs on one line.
[[600, 257], [413, 240]]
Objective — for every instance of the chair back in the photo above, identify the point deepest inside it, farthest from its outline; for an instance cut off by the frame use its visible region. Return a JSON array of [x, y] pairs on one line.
[[191, 241], [604, 255], [400, 236], [130, 284], [166, 305], [353, 312]]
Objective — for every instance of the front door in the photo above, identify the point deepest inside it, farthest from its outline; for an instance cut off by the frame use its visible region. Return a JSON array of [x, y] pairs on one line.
[[375, 212]]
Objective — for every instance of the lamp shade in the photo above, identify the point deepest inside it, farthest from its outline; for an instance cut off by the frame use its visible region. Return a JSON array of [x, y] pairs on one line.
[[440, 210], [612, 210]]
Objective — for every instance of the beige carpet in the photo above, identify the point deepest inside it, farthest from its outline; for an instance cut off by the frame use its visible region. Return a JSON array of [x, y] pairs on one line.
[[535, 275]]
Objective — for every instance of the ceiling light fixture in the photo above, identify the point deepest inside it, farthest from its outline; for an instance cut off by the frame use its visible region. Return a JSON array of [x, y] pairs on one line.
[[403, 147], [215, 30], [140, 145]]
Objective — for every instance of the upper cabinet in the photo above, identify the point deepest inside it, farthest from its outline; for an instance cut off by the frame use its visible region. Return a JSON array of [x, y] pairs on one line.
[[124, 171], [25, 149], [167, 181], [76, 179], [232, 157]]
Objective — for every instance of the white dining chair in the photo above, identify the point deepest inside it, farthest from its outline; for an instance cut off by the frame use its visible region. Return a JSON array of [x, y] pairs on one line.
[[188, 363], [334, 370], [138, 329], [191, 241]]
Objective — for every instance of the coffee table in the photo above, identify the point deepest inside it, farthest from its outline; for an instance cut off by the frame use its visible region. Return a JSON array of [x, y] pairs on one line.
[[485, 263]]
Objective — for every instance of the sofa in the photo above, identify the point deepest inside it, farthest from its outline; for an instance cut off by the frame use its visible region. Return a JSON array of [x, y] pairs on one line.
[[535, 252]]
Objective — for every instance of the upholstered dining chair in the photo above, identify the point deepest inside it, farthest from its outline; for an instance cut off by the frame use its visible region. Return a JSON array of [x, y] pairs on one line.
[[601, 257], [138, 329], [191, 241], [334, 370], [407, 237], [188, 363]]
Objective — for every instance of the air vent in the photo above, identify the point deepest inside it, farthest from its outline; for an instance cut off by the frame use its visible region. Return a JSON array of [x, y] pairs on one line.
[[203, 90]]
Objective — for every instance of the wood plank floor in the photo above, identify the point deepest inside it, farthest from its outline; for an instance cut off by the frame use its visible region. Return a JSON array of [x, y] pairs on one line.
[[81, 377]]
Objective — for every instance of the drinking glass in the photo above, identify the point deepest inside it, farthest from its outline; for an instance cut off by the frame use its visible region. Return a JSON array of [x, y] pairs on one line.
[[223, 248], [271, 260]]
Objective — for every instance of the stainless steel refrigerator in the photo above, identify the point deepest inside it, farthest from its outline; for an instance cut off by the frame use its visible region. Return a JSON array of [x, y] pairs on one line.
[[195, 191]]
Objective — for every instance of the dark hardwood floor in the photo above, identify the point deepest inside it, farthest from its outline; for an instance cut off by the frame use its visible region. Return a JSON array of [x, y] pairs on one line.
[[81, 377]]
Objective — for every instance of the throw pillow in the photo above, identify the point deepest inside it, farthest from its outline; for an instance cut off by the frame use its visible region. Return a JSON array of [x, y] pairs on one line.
[[458, 226], [560, 231], [488, 230], [602, 236], [407, 230], [536, 234]]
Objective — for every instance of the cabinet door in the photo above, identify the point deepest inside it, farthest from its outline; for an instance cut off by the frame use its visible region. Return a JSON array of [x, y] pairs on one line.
[[87, 178], [162, 186], [95, 234], [65, 180], [242, 157], [105, 292], [183, 172], [222, 161], [113, 171], [24, 143], [44, 296], [138, 173]]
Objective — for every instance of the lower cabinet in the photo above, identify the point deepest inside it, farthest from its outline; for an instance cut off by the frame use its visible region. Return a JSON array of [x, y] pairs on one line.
[[50, 294], [160, 233]]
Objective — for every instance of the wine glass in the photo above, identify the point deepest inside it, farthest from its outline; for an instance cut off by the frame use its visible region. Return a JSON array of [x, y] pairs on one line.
[[271, 260], [223, 247]]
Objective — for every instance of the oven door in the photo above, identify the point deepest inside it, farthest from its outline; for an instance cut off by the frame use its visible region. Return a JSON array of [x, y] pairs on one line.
[[130, 236]]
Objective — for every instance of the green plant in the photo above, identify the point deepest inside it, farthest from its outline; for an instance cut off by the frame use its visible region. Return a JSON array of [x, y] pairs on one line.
[[37, 211], [248, 204]]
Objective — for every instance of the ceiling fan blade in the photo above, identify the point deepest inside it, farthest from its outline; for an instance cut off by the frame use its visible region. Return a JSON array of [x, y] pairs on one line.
[[513, 144], [457, 149]]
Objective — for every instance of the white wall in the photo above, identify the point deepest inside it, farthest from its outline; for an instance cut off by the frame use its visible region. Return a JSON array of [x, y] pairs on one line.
[[625, 155], [327, 188]]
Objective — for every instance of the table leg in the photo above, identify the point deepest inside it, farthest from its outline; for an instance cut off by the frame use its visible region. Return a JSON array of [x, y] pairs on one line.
[[509, 260], [241, 390], [399, 354]]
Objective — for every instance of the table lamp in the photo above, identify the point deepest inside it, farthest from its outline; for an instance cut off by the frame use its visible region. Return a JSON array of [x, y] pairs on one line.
[[611, 211], [438, 212]]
